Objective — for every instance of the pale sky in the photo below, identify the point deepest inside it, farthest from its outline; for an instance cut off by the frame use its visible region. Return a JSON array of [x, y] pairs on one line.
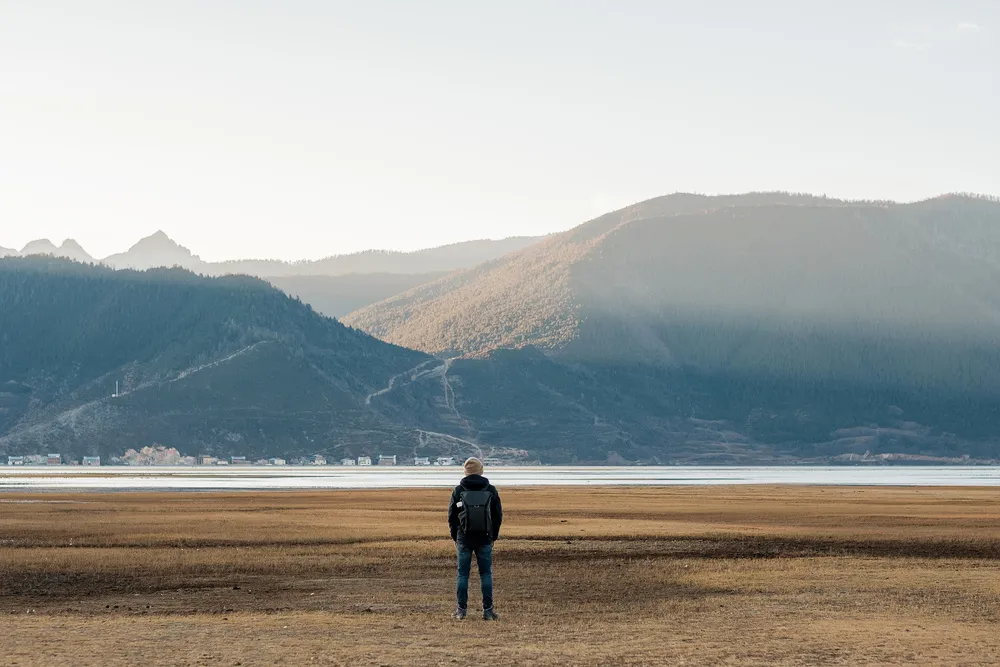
[[303, 128]]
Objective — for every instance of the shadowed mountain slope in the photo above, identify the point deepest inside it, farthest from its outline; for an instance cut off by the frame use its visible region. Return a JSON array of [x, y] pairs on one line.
[[211, 365]]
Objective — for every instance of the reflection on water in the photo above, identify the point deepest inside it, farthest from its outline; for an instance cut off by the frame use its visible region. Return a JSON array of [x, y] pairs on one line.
[[333, 477]]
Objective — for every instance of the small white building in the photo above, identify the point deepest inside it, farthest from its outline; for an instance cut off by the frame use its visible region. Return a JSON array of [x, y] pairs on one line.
[[385, 460], [91, 460], [15, 460], [364, 460], [348, 462], [276, 461], [445, 461], [421, 461], [317, 460]]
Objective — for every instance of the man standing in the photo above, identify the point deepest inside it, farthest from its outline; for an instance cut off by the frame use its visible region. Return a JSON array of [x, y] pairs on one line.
[[474, 516]]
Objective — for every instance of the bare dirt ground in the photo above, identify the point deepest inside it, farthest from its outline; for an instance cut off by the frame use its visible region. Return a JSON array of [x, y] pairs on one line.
[[643, 576]]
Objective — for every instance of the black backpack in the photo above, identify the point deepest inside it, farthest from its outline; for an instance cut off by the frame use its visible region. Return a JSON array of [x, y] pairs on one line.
[[475, 517]]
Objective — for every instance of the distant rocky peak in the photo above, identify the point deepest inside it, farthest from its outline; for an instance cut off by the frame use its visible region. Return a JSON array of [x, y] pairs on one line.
[[39, 247], [157, 249], [73, 250], [159, 242]]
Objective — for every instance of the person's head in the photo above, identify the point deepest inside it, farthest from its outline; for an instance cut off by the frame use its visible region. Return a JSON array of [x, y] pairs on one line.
[[473, 466]]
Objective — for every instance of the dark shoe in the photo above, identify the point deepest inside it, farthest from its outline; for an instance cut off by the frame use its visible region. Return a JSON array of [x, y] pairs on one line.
[[459, 614], [490, 615]]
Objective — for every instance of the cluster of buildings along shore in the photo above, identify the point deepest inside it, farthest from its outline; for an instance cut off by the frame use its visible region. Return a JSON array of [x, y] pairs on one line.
[[314, 460]]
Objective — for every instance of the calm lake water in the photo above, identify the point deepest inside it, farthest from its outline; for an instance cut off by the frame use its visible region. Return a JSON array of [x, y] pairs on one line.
[[209, 478]]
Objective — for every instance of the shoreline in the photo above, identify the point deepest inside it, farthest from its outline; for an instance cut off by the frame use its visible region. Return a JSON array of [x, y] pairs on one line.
[[210, 478]]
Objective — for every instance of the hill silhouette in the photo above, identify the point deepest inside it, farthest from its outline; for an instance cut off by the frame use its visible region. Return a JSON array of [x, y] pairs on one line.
[[224, 365], [40, 247]]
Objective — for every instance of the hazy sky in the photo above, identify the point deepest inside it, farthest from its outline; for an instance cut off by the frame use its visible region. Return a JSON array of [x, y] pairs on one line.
[[295, 128]]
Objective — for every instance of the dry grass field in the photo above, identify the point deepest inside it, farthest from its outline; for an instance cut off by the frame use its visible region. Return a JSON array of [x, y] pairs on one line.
[[612, 576]]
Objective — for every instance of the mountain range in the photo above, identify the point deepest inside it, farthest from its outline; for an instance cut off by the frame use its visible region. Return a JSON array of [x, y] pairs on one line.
[[334, 286], [160, 251], [765, 327], [69, 249]]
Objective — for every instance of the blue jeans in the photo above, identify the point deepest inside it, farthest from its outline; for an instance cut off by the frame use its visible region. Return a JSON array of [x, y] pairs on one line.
[[484, 561]]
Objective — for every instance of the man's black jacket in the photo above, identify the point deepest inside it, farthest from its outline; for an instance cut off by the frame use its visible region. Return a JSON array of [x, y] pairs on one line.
[[474, 483]]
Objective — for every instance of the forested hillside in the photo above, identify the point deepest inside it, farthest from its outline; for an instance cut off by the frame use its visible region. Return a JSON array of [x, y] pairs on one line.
[[634, 282], [732, 328], [205, 364]]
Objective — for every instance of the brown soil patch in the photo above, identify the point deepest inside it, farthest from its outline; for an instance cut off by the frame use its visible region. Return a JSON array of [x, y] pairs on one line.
[[708, 576]]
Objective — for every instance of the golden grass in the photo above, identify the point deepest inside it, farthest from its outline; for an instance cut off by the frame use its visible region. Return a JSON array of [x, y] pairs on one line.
[[626, 576]]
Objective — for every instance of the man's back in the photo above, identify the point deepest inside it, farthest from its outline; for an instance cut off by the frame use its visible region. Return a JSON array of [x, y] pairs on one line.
[[474, 518], [475, 483]]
